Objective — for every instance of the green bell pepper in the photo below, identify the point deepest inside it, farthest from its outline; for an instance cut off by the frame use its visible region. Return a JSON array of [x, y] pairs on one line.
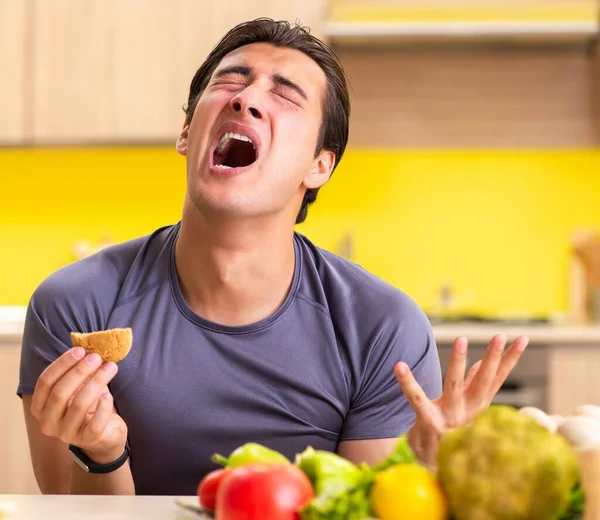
[[248, 454], [326, 470]]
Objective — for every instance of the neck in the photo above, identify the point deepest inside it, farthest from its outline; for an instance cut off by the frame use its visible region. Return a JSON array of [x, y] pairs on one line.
[[234, 272]]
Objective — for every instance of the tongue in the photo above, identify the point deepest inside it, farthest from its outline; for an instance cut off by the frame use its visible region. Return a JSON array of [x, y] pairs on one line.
[[236, 154]]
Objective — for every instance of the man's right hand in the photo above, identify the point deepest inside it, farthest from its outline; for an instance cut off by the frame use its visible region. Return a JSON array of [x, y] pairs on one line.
[[71, 401]]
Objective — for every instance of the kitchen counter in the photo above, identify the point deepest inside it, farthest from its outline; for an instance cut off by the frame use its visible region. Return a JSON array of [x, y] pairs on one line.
[[12, 318], [10, 333], [64, 507], [11, 324], [538, 334]]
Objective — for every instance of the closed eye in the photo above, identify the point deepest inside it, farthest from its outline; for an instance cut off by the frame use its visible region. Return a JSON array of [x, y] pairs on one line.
[[282, 94], [231, 79], [229, 82]]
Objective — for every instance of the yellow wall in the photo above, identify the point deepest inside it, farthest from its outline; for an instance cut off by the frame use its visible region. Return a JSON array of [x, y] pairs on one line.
[[493, 224], [442, 11]]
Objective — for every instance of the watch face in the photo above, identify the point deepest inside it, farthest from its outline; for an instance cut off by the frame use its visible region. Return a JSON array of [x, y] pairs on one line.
[[79, 462]]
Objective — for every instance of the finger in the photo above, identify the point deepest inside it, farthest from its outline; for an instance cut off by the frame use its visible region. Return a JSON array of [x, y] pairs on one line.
[[88, 396], [56, 404], [482, 383], [421, 404], [509, 360], [455, 376], [471, 374], [92, 408], [77, 391], [95, 427], [51, 375]]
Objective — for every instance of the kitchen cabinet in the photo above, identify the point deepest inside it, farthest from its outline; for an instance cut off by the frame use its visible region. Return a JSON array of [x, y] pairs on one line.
[[479, 97], [573, 377], [114, 71], [16, 475], [12, 65], [103, 70]]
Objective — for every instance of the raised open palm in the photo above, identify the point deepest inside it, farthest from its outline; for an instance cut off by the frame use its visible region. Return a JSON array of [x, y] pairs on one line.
[[463, 397]]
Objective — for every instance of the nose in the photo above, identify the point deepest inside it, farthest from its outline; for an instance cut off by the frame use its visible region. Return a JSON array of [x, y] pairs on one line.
[[244, 104]]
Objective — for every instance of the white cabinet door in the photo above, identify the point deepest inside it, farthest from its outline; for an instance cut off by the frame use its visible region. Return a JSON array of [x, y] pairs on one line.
[[16, 476], [573, 377]]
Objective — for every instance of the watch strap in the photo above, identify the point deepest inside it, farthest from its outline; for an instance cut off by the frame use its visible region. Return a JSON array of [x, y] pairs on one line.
[[88, 465]]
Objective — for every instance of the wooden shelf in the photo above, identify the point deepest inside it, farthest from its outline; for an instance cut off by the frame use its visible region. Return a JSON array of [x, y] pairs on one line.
[[462, 10], [471, 20], [546, 32]]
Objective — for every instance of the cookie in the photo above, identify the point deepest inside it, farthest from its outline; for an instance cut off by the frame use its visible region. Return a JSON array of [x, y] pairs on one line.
[[111, 345]]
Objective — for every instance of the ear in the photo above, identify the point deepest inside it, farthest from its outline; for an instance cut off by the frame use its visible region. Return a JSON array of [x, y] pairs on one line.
[[321, 170], [182, 140]]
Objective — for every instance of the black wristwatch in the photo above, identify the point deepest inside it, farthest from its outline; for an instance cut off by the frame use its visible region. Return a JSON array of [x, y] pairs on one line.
[[90, 466]]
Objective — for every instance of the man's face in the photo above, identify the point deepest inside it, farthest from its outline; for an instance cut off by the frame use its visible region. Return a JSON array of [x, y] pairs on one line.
[[251, 143]]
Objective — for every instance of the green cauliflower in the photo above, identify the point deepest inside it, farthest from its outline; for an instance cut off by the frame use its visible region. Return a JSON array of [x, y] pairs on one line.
[[506, 466]]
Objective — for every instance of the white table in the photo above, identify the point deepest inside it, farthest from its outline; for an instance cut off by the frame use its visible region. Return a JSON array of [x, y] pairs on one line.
[[62, 507]]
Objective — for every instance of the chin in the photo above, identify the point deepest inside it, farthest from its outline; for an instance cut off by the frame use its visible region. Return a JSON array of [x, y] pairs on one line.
[[215, 202]]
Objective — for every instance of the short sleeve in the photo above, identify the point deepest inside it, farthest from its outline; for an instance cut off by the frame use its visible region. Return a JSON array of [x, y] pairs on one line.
[[81, 296], [66, 301], [39, 349], [379, 408]]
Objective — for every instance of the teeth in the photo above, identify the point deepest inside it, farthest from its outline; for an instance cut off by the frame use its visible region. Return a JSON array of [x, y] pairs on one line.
[[232, 135], [223, 166]]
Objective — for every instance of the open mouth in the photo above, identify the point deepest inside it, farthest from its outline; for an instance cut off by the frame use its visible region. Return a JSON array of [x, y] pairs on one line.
[[234, 151]]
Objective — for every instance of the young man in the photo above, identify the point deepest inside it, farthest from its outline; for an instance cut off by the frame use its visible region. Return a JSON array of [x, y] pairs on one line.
[[243, 330]]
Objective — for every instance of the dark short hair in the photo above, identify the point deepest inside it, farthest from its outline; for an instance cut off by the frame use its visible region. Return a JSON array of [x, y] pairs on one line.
[[333, 134]]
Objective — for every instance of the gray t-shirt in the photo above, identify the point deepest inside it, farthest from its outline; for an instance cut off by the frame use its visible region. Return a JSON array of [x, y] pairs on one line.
[[318, 371]]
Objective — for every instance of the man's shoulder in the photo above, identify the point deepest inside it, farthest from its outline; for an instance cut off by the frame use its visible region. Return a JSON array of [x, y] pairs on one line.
[[94, 285], [376, 325], [349, 291]]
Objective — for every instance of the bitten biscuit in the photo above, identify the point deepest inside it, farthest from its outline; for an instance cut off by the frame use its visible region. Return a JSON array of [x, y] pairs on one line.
[[111, 345]]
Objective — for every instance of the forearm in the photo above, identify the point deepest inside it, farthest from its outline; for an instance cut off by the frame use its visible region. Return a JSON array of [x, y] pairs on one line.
[[119, 482]]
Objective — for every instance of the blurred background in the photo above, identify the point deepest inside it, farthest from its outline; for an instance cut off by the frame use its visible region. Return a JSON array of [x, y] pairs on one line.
[[471, 180]]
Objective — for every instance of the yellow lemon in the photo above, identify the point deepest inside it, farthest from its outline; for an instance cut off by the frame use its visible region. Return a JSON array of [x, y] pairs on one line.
[[408, 491]]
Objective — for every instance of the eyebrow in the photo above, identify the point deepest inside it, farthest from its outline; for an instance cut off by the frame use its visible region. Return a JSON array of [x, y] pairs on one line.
[[278, 79], [234, 69], [284, 82]]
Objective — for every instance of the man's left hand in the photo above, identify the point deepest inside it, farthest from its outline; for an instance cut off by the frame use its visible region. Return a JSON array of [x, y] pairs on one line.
[[462, 398]]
